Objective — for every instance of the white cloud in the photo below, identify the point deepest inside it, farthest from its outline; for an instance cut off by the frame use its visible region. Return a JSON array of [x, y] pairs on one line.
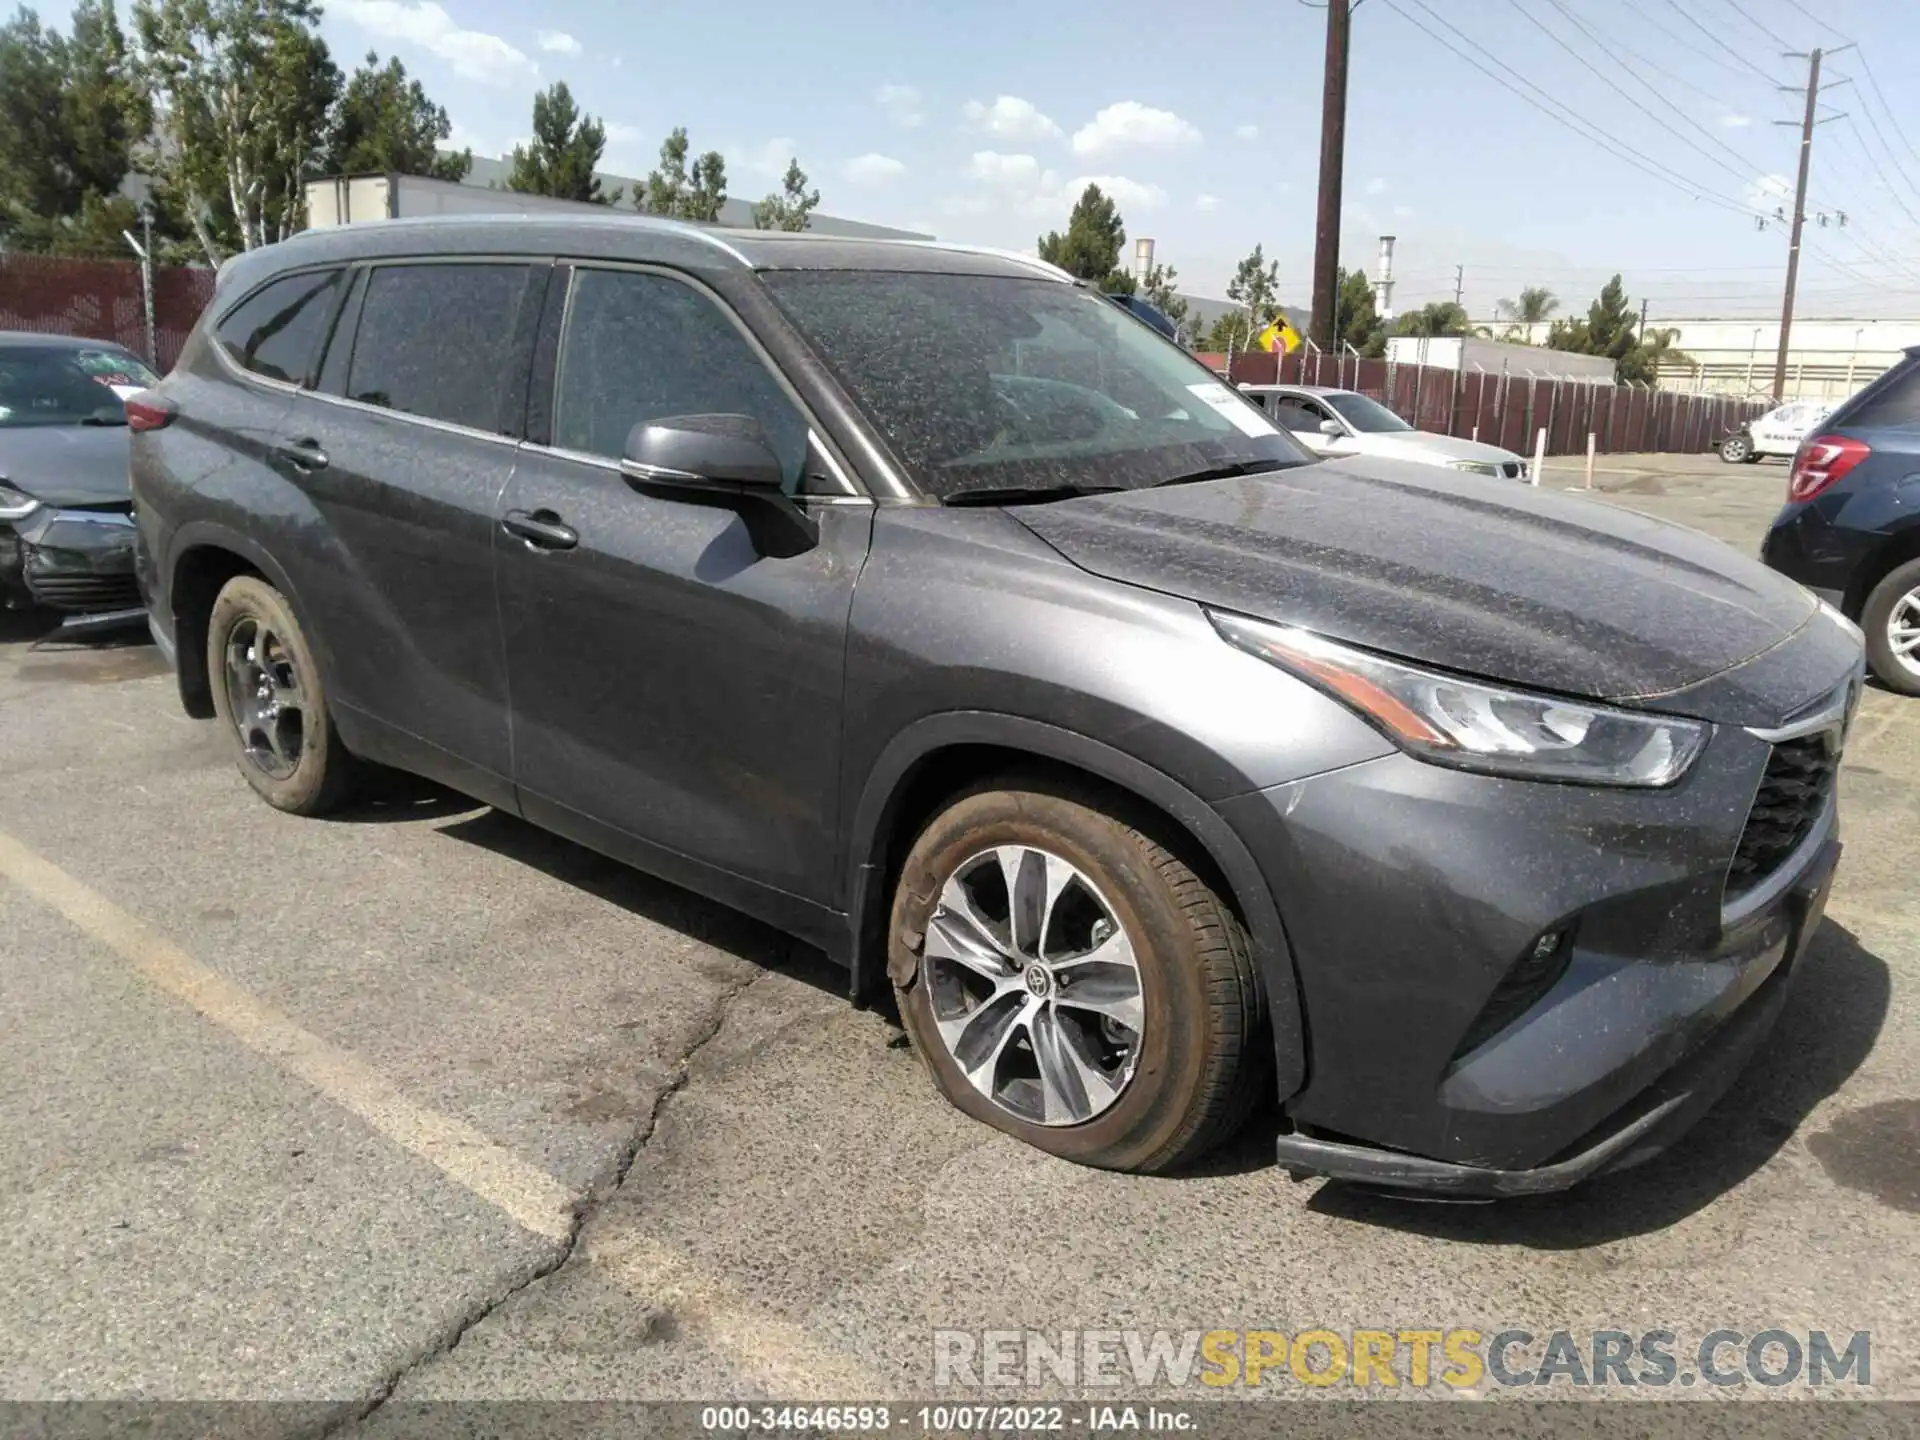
[[1377, 185], [872, 170], [1246, 132], [558, 42], [1131, 123], [623, 134], [996, 168], [1017, 184], [1736, 121], [1402, 212], [1010, 118], [768, 159], [901, 103], [473, 54], [1206, 202], [1128, 194]]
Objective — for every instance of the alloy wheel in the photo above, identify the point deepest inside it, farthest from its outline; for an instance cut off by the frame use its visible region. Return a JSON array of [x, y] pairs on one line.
[[1903, 630], [265, 698], [1735, 449], [1034, 986]]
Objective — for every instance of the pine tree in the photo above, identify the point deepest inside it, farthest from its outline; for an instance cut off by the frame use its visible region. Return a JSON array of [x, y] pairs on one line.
[[564, 153], [789, 209], [1090, 249]]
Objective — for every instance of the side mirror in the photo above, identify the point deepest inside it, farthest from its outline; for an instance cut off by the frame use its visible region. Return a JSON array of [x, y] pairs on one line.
[[725, 461], [729, 452], [1333, 428]]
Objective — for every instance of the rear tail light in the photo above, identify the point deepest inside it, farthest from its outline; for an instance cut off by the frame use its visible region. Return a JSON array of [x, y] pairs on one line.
[[1820, 461], [147, 411]]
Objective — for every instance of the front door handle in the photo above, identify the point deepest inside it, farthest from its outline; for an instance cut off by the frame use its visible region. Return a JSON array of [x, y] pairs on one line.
[[541, 529], [304, 454]]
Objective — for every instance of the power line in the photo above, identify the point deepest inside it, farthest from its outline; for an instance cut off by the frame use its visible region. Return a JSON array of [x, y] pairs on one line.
[[1735, 6], [1554, 110], [1674, 6], [1892, 119], [1688, 45], [1743, 170]]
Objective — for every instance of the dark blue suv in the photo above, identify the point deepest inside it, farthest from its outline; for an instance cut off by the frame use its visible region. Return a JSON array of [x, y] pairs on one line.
[[1850, 531]]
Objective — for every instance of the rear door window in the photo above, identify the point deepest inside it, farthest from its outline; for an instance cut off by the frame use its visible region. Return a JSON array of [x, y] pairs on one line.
[[438, 341], [276, 332]]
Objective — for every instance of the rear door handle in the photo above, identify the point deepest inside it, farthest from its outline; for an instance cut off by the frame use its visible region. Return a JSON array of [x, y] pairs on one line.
[[541, 529], [304, 454]]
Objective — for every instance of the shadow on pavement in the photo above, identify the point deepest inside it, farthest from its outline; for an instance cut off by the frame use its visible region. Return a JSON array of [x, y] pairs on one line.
[[649, 898], [1832, 1018]]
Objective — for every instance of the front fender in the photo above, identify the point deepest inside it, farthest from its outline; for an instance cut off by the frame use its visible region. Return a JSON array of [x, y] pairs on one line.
[[887, 783]]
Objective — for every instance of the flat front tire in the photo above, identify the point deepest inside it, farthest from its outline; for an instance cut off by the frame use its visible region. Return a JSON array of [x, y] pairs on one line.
[[1068, 979], [268, 696]]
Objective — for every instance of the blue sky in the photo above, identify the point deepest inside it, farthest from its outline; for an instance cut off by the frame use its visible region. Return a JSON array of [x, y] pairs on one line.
[[979, 119]]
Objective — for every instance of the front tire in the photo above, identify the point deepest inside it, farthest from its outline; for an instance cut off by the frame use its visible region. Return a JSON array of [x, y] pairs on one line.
[[1891, 620], [1069, 980], [268, 695], [1737, 450]]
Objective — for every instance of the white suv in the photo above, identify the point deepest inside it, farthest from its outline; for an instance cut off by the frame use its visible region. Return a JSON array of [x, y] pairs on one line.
[[1778, 432]]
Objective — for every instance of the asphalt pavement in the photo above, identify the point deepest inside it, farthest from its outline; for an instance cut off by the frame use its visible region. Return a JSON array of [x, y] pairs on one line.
[[420, 1103]]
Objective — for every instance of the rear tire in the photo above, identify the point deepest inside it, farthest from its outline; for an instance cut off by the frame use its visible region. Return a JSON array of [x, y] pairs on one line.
[[1891, 617], [268, 695], [1142, 1084]]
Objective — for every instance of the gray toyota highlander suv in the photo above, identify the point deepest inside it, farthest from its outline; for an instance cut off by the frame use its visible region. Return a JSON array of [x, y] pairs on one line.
[[924, 604]]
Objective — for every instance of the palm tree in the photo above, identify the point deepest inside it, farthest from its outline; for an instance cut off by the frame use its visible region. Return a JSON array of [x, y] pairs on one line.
[[1535, 305]]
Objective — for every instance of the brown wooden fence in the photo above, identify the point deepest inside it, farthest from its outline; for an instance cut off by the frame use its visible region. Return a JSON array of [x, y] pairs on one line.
[[1510, 410], [101, 300]]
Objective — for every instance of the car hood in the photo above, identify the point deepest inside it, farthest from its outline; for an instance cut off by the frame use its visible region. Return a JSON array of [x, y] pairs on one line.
[[66, 464], [1468, 573], [1425, 448]]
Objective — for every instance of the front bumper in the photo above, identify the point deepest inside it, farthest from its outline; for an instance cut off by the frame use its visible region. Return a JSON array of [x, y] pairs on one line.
[[1413, 896], [77, 561]]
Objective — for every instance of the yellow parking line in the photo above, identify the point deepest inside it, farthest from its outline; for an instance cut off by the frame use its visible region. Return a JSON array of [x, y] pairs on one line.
[[780, 1356], [532, 1197]]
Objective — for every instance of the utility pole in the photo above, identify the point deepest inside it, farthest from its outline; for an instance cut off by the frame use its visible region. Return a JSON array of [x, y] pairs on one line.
[[1459, 283], [1799, 219], [1643, 319], [1333, 159]]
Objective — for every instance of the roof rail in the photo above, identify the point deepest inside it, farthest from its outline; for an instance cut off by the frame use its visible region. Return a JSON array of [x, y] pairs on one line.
[[1032, 262]]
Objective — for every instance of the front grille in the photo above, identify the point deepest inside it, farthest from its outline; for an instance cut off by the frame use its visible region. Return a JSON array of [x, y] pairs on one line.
[[85, 593], [1793, 792]]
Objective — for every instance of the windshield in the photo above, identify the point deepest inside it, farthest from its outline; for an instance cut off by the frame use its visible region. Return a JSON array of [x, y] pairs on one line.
[[1365, 415], [59, 385], [1004, 383]]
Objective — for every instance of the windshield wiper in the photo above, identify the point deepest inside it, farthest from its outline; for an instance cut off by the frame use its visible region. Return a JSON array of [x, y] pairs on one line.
[[1227, 471], [1026, 494]]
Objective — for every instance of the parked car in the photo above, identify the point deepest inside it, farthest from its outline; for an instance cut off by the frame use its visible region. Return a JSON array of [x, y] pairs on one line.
[[1345, 422], [1778, 432], [66, 516], [1162, 773], [1850, 530]]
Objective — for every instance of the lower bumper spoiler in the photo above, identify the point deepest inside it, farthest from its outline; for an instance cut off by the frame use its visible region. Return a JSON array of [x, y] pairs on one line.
[[1653, 1121]]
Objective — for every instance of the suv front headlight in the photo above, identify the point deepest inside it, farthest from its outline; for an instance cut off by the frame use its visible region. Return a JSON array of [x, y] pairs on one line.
[[1478, 467], [1471, 725], [14, 505]]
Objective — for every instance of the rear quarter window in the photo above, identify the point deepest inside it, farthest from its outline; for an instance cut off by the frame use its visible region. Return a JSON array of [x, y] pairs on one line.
[[276, 332], [1891, 403]]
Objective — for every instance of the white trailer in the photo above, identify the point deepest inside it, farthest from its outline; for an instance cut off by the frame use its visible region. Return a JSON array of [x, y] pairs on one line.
[[351, 199], [1471, 354]]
